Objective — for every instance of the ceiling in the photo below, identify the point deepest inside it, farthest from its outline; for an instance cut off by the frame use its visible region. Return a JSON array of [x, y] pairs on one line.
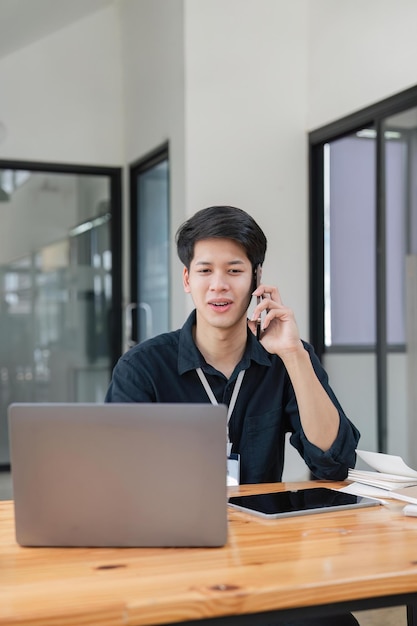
[[22, 22]]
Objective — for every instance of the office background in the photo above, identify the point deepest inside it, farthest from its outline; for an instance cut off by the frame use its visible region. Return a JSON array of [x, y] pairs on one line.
[[234, 87]]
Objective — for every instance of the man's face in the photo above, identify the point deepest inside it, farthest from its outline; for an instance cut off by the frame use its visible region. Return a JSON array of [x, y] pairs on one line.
[[220, 281]]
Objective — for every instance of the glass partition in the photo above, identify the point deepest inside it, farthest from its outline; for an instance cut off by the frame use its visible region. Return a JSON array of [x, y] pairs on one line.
[[400, 133], [148, 313], [363, 253], [56, 289]]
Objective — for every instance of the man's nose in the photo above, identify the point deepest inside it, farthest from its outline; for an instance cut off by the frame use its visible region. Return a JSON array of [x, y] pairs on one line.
[[219, 282]]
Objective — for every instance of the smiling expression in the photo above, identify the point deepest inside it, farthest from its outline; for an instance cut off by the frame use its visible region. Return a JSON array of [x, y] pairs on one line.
[[220, 281]]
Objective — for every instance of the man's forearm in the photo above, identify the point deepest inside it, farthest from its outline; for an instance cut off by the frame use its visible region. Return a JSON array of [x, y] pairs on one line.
[[319, 416]]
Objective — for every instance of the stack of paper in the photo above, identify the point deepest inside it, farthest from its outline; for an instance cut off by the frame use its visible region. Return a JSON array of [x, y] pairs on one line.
[[380, 479], [392, 478], [391, 471]]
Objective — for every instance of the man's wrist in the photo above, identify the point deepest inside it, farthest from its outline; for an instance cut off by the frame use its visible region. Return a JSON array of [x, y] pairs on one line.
[[294, 354]]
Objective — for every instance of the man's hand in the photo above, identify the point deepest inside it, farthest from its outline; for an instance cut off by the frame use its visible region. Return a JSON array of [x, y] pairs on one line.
[[319, 417], [279, 331]]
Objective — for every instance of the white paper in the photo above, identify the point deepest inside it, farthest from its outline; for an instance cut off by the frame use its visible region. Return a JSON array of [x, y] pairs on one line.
[[358, 489], [233, 470], [379, 479], [388, 463], [410, 509]]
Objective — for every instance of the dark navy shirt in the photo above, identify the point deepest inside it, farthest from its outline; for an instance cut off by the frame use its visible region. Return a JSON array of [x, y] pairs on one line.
[[163, 369]]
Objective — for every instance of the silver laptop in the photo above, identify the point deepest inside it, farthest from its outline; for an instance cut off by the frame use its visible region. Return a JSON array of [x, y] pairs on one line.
[[119, 474]]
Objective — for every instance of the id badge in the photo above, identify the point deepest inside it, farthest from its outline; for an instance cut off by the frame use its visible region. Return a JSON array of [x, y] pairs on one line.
[[233, 469]]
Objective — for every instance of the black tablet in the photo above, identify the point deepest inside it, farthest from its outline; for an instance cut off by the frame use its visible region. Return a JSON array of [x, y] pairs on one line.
[[298, 502]]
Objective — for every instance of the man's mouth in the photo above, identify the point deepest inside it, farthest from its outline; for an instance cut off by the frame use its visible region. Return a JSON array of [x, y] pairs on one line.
[[220, 305]]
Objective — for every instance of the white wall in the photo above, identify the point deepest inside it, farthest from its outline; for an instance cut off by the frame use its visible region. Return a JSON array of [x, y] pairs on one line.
[[152, 35], [61, 97], [360, 52], [214, 78], [246, 106]]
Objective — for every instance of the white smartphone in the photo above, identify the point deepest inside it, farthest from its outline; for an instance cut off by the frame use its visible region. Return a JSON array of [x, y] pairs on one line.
[[298, 502]]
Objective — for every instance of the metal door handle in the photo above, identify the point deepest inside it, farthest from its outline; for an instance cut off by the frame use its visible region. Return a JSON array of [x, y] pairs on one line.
[[132, 306]]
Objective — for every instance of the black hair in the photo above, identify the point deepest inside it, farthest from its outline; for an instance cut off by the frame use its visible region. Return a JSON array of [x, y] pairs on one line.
[[223, 222]]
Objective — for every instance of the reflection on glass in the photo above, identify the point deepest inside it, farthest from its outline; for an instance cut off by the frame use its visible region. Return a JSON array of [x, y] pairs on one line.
[[55, 291], [401, 294], [401, 214], [349, 240], [153, 251], [349, 232]]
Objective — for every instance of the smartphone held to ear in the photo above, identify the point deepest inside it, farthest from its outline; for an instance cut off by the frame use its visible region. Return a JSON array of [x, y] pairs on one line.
[[258, 272]]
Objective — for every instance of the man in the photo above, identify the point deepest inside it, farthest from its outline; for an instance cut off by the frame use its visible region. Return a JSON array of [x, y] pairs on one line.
[[272, 385], [284, 387]]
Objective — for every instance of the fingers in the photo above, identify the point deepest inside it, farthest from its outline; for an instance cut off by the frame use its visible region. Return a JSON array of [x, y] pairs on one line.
[[279, 327], [272, 311], [277, 312], [270, 304], [269, 292], [268, 298]]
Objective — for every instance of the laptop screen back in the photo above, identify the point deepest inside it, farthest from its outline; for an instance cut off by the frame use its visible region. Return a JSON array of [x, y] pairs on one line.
[[119, 474]]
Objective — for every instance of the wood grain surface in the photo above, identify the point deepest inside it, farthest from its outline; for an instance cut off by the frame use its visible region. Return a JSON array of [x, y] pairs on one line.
[[266, 564]]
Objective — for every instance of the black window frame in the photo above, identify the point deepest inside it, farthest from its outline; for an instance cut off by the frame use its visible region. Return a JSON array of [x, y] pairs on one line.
[[372, 116]]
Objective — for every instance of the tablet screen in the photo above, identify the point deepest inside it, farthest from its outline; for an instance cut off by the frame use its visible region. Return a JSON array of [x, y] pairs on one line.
[[298, 502]]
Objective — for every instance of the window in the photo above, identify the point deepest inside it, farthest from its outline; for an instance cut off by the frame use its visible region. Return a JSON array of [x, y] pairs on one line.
[[60, 284], [363, 237], [349, 241], [150, 289]]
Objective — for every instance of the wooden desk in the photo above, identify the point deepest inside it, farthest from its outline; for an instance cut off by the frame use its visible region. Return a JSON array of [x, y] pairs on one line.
[[349, 560]]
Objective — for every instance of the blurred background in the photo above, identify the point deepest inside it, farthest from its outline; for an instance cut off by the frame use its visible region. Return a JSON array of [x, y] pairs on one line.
[[119, 118]]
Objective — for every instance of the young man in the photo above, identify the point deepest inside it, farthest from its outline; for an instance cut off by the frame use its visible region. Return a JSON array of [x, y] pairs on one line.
[[272, 386]]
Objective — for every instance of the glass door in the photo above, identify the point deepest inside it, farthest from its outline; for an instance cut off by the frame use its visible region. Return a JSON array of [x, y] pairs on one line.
[[363, 252], [400, 183], [59, 299], [148, 314], [349, 274]]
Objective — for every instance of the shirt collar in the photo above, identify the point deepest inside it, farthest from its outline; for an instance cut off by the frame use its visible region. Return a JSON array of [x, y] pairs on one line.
[[189, 356]]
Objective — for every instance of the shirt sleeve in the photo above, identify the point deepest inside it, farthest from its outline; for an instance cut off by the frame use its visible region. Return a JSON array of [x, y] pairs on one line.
[[333, 464]]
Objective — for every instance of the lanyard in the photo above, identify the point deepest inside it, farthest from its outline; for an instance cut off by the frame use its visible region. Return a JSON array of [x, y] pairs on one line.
[[212, 397]]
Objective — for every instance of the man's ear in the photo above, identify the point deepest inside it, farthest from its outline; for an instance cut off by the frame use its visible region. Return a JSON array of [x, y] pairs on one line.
[[186, 280]]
